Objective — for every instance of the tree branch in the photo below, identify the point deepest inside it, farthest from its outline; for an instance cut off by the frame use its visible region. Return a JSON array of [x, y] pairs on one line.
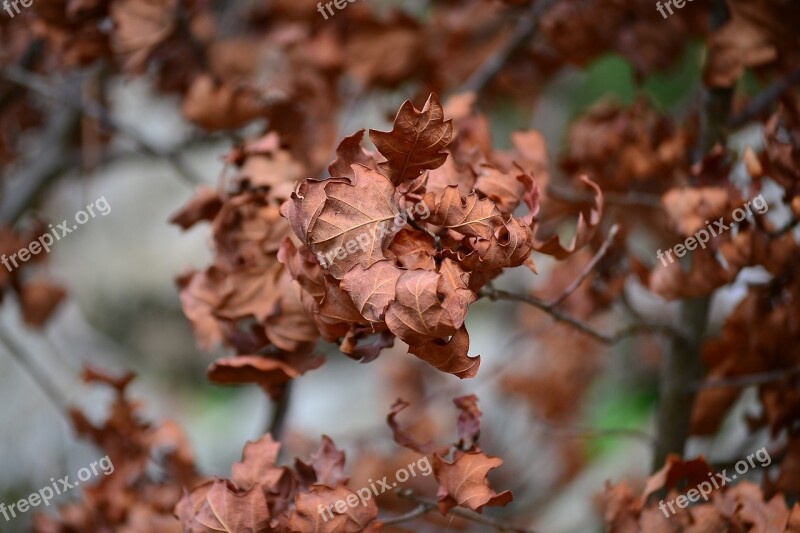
[[635, 329], [764, 99], [748, 380], [38, 375], [430, 505], [93, 110], [524, 30], [612, 233]]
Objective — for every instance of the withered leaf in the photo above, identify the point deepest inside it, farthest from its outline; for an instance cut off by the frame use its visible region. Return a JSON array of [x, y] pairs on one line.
[[373, 288], [352, 226], [463, 482], [416, 143], [471, 216], [306, 517], [236, 512], [449, 356]]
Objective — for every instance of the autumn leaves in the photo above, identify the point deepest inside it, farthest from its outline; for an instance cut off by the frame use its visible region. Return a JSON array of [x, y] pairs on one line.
[[416, 283]]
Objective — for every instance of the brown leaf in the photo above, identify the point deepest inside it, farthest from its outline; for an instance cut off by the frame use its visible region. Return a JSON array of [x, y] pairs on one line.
[[416, 143], [307, 518], [245, 512], [204, 206], [584, 232], [413, 250], [373, 288], [503, 188], [449, 356], [200, 294], [267, 372], [352, 225], [402, 438], [463, 482], [471, 216], [348, 153], [327, 463], [469, 421], [218, 106], [258, 465], [140, 28], [416, 315]]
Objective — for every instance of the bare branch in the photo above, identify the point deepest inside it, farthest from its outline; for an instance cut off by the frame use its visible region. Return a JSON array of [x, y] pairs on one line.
[[764, 99], [38, 375], [462, 513], [612, 233], [748, 380], [635, 329], [524, 30], [93, 110]]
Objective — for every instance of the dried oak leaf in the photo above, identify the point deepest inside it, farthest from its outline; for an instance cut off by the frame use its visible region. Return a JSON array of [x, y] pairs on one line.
[[464, 482], [353, 220], [675, 470], [417, 315], [140, 27], [258, 467], [413, 250], [469, 421], [205, 205], [503, 188], [232, 511], [402, 437], [759, 33], [416, 143], [271, 374], [200, 294], [688, 208], [449, 356], [306, 517], [472, 216], [584, 232], [348, 153], [220, 106], [373, 288], [326, 467]]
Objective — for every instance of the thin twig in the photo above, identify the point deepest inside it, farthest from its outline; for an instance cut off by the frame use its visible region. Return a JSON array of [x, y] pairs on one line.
[[462, 513], [764, 99], [612, 233], [38, 375], [524, 30], [277, 421], [93, 110], [628, 199], [748, 380], [407, 517], [496, 294]]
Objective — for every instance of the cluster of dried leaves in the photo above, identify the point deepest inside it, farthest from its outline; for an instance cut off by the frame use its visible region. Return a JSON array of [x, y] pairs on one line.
[[739, 507], [280, 68], [153, 465], [38, 298]]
